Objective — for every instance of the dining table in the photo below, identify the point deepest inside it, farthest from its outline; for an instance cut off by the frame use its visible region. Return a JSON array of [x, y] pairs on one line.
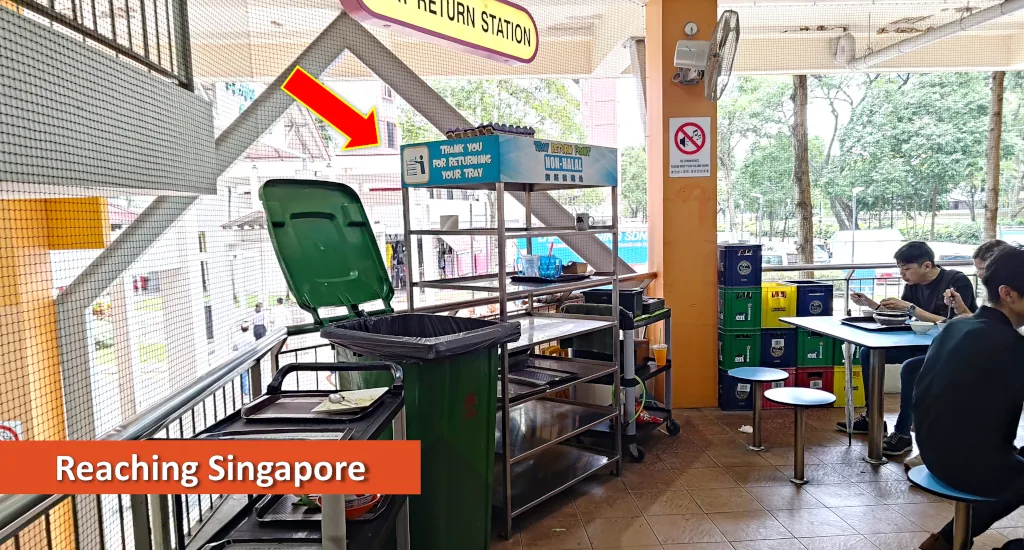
[[876, 342]]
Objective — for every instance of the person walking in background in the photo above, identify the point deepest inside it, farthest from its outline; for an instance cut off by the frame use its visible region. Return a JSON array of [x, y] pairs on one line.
[[245, 340], [280, 316], [259, 323]]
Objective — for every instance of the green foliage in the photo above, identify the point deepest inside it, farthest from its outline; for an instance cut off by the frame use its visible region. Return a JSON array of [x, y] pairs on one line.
[[634, 181], [547, 105], [912, 141], [960, 233]]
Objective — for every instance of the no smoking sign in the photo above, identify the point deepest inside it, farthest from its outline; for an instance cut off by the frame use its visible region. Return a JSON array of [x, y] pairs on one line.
[[689, 152]]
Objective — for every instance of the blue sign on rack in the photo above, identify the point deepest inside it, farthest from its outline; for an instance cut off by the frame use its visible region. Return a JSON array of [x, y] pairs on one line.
[[510, 159], [451, 162]]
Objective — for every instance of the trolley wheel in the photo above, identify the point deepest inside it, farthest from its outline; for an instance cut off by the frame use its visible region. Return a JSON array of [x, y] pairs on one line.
[[636, 452], [673, 428]]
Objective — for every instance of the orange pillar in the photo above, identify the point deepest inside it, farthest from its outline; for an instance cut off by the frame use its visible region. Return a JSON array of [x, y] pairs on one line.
[[31, 387], [682, 212]]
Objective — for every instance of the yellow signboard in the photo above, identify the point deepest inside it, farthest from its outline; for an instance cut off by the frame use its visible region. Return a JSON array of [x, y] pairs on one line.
[[496, 29]]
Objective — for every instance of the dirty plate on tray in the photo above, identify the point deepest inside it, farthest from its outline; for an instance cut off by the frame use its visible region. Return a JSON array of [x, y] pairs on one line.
[[286, 508], [869, 323], [349, 401]]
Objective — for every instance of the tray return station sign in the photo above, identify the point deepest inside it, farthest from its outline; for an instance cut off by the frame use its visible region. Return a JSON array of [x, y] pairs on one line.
[[689, 154], [496, 29]]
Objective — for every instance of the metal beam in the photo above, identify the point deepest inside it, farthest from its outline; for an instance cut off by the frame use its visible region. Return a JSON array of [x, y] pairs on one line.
[[73, 303], [846, 44], [268, 107], [638, 60], [442, 116]]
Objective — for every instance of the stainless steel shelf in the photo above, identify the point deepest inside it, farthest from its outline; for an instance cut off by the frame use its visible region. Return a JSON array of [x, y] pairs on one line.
[[538, 329], [512, 186], [586, 371], [517, 232], [538, 424], [548, 473], [515, 291]]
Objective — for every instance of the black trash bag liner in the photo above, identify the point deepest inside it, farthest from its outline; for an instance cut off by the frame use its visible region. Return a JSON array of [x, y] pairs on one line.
[[419, 336]]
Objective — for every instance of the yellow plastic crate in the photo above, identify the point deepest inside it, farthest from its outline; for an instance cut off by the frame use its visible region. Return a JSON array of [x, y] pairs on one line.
[[777, 300], [839, 386]]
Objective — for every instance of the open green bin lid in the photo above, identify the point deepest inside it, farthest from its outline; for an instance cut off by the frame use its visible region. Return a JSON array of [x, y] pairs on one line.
[[325, 245]]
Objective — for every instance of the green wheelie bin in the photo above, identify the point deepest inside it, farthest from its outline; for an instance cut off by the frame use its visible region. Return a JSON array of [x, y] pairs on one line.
[[330, 258]]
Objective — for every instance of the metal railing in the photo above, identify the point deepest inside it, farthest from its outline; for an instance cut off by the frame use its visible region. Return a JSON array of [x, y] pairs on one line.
[[151, 33], [845, 283]]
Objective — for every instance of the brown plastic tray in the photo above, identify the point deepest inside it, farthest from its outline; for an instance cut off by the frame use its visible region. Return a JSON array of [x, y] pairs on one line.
[[263, 545], [299, 406], [285, 508], [335, 434], [869, 323]]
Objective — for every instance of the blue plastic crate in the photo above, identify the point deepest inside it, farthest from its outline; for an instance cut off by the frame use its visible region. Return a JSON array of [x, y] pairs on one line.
[[739, 265], [734, 394], [813, 298], [778, 348]]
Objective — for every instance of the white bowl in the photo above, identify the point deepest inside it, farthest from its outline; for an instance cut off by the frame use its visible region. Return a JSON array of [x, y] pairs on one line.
[[922, 327]]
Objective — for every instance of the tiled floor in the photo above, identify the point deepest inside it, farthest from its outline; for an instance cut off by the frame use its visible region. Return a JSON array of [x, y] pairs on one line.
[[703, 490]]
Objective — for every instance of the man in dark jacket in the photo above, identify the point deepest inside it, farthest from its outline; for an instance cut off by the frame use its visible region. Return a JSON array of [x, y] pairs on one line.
[[968, 400]]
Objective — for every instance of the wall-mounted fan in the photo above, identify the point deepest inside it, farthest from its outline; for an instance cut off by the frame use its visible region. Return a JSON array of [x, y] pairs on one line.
[[709, 60]]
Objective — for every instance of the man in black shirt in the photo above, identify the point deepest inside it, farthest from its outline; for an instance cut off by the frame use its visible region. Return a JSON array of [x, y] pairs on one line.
[[924, 298], [969, 398]]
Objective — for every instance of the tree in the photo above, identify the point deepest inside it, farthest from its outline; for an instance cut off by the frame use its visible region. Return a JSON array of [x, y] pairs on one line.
[[546, 105], [753, 108], [802, 172], [767, 170], [993, 155], [634, 181]]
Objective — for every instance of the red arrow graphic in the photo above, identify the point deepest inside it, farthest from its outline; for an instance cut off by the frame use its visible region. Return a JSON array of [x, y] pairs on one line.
[[360, 129]]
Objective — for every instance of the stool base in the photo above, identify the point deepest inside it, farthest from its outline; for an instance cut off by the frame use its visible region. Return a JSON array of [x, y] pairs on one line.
[[798, 481], [753, 448], [876, 462]]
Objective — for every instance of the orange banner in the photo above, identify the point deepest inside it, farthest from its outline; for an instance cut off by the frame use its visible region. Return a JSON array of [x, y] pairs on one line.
[[164, 467]]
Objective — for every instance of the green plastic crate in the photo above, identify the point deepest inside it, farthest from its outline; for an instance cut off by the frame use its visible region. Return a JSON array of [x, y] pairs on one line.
[[837, 353], [739, 348], [739, 308], [814, 349]]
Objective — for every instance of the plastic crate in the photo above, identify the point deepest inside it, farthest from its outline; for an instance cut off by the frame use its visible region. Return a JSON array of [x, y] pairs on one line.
[[839, 386], [818, 379], [734, 394], [778, 348], [739, 265], [813, 349], [787, 383], [739, 348], [739, 308], [813, 298], [839, 358], [778, 300]]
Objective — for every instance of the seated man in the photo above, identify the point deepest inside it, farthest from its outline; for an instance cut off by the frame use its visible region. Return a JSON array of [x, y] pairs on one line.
[[924, 297], [908, 374], [969, 398], [982, 255]]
